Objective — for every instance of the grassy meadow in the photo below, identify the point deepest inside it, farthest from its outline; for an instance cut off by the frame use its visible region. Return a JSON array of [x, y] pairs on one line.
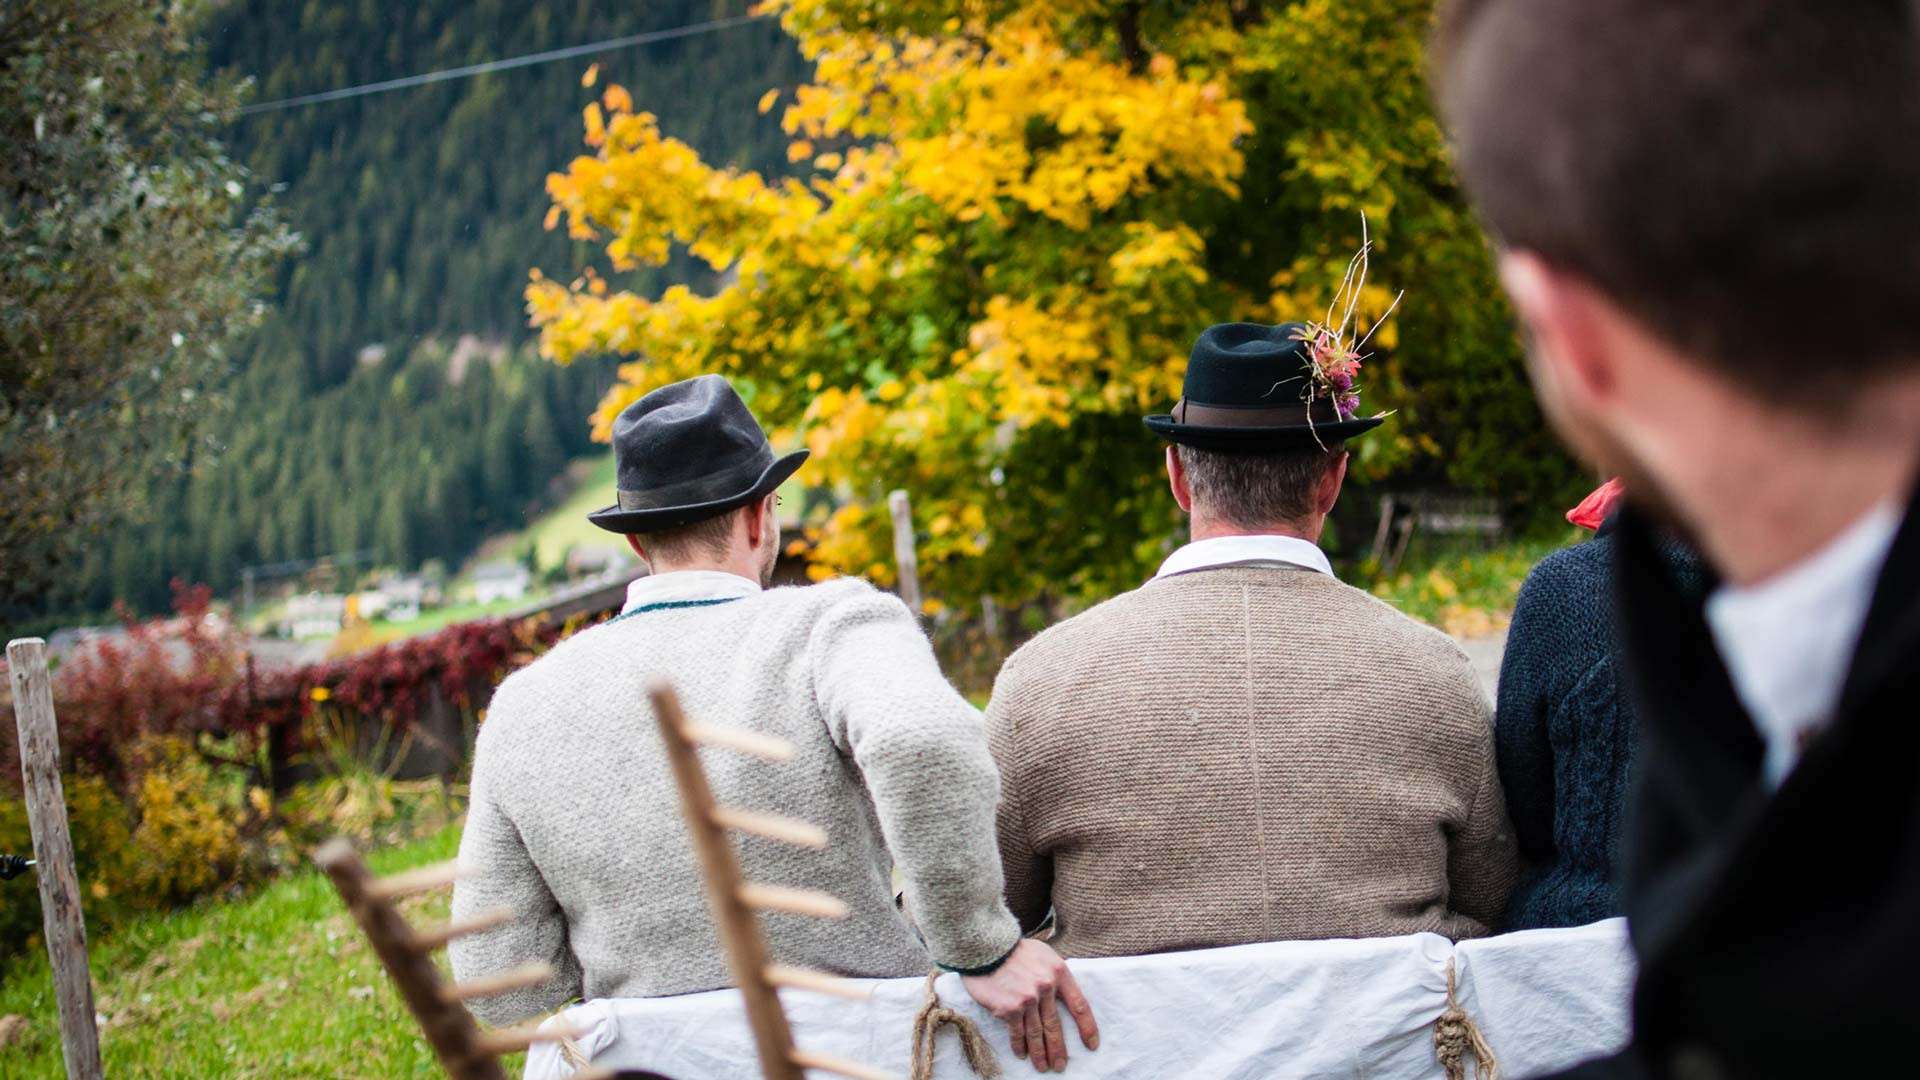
[[277, 984]]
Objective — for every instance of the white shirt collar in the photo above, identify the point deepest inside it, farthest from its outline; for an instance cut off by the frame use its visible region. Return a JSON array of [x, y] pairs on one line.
[[1238, 550], [682, 586], [1789, 641]]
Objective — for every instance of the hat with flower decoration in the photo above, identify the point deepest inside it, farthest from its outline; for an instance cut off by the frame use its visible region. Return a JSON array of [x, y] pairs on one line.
[[1251, 387], [1254, 388]]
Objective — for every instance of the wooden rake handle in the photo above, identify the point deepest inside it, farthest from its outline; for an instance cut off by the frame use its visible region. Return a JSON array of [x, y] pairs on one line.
[[734, 900]]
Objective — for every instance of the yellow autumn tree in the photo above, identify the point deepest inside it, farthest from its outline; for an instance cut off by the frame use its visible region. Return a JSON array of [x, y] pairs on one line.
[[1004, 227]]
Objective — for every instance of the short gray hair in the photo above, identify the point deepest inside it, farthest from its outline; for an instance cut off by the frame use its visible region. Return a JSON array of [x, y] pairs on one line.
[[1253, 491]]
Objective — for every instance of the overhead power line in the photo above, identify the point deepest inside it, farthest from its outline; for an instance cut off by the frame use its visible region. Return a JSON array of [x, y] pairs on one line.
[[529, 60]]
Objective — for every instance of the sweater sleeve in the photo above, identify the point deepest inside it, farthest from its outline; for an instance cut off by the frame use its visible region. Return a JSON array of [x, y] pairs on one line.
[[1526, 700], [1481, 863], [504, 877], [923, 753], [1029, 872]]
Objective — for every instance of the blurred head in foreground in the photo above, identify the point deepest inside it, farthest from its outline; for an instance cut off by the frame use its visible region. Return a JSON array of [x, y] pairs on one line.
[[1706, 216]]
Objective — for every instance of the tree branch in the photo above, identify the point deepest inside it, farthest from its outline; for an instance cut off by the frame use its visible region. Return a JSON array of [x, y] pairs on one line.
[[1131, 48]]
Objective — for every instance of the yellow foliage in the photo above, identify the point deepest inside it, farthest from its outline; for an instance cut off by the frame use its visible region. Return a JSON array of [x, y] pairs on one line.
[[187, 841], [1002, 232]]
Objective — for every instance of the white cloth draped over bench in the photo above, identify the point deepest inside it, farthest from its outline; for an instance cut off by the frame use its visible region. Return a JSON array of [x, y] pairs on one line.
[[1543, 999]]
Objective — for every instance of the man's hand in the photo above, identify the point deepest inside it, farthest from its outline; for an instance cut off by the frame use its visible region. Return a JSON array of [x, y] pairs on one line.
[[1022, 992]]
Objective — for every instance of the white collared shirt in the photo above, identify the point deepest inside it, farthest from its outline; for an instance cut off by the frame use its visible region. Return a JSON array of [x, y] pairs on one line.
[[1788, 641], [1245, 550], [684, 586]]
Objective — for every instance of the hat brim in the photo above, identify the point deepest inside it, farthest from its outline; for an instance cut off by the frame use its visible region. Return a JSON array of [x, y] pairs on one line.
[[1257, 439], [615, 520]]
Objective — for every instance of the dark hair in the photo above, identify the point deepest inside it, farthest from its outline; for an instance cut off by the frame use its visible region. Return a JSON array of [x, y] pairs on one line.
[[1742, 177], [1253, 491], [707, 536]]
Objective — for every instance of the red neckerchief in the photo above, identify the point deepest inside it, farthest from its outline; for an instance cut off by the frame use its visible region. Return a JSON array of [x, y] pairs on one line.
[[1598, 506]]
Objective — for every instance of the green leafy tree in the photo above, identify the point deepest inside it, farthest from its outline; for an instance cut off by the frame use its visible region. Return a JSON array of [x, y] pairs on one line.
[[128, 263]]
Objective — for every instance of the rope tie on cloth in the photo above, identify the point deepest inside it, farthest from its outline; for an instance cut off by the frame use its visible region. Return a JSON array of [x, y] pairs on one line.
[[575, 1058], [1455, 1035], [926, 1025]]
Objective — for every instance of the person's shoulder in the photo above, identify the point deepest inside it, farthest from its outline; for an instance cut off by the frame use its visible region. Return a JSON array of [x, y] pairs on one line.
[[1569, 590], [1583, 566], [1368, 612], [524, 700], [821, 611], [563, 663], [1106, 624], [1422, 657], [834, 595]]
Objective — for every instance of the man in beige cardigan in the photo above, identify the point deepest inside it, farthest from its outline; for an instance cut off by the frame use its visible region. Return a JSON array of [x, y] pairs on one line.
[[1245, 749]]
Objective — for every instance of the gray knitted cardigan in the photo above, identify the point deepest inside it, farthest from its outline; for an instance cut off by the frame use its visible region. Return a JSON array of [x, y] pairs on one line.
[[575, 822]]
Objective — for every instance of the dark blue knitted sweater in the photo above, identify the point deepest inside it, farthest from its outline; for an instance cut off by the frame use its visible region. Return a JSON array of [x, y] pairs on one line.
[[1564, 737]]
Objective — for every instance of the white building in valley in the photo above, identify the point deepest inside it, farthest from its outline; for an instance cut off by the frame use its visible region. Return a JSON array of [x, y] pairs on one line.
[[497, 581]]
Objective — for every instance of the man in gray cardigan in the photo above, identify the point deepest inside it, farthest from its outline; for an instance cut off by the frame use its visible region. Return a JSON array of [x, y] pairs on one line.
[[575, 825], [1245, 749]]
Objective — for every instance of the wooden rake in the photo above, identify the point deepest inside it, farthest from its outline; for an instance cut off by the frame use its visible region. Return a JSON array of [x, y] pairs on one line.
[[735, 900], [466, 1052]]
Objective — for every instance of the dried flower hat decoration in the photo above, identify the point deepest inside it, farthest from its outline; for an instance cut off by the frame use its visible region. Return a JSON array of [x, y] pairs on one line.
[[1333, 365]]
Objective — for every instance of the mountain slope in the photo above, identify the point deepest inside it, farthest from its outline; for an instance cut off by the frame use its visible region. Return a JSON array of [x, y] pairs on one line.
[[390, 401]]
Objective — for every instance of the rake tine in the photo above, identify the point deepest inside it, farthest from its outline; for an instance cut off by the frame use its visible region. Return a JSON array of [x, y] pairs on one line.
[[425, 879], [812, 902], [816, 981], [515, 1039], [809, 1059], [746, 742], [519, 978], [426, 941], [773, 827]]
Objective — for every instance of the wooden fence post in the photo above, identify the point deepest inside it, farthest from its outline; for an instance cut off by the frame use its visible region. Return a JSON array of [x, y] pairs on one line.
[[905, 557], [53, 849]]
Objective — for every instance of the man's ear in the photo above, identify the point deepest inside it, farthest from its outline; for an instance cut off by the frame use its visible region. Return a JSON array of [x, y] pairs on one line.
[[1329, 492], [760, 521], [1177, 479], [633, 542], [1567, 327]]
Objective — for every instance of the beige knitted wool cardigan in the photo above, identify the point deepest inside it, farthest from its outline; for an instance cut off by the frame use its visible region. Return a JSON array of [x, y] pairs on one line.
[[1246, 753]]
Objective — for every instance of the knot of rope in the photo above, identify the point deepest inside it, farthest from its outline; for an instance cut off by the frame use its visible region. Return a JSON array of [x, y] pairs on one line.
[[570, 1053], [1455, 1035], [926, 1025]]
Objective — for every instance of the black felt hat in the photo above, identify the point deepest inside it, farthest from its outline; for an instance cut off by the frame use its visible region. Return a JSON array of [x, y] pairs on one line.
[[688, 452], [1244, 391]]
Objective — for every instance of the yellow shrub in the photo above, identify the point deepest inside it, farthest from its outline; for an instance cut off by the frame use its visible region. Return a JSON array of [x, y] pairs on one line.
[[186, 838]]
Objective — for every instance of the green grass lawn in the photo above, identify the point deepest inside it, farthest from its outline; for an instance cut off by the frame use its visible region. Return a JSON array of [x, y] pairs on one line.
[[278, 984], [442, 617]]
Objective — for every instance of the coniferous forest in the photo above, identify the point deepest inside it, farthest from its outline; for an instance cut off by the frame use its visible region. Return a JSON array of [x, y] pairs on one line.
[[391, 400]]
